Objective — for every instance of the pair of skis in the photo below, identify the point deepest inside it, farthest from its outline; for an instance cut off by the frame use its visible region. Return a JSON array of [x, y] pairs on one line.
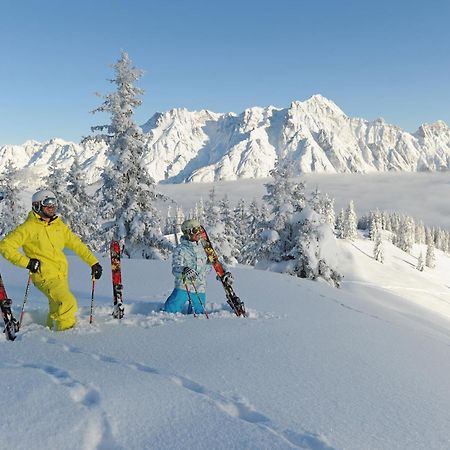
[[11, 324], [118, 307], [236, 304]]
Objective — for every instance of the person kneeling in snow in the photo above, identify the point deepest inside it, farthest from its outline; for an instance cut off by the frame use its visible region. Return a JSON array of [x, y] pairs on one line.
[[190, 266]]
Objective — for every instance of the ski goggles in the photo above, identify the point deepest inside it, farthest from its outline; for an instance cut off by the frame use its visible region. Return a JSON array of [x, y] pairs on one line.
[[49, 202], [194, 234]]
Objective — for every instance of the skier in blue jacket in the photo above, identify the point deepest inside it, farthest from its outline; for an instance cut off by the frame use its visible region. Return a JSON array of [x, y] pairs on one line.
[[190, 266]]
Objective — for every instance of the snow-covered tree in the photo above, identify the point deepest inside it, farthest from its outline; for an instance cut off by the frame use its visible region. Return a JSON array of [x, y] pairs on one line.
[[56, 181], [420, 263], [295, 239], [82, 211], [340, 224], [349, 222], [258, 222], [378, 249], [375, 224], [241, 219], [328, 210], [229, 239], [405, 234], [420, 233], [128, 191], [315, 252], [430, 258], [12, 210], [199, 211], [212, 213]]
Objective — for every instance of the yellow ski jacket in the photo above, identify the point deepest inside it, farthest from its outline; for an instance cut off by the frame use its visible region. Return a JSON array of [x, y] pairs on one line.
[[44, 241]]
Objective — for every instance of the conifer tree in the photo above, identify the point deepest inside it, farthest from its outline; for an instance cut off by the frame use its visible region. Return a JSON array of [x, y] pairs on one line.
[[241, 219], [12, 211], [56, 181], [404, 237], [128, 193], [430, 258], [295, 240], [340, 224], [82, 213], [420, 263], [349, 229], [378, 250], [258, 222], [212, 213]]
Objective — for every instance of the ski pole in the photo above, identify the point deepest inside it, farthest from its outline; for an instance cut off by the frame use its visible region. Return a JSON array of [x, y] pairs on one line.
[[200, 300], [92, 300], [25, 298], [189, 296]]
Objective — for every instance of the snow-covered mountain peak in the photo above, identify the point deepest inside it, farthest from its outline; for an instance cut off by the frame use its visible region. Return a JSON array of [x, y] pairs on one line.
[[183, 145]]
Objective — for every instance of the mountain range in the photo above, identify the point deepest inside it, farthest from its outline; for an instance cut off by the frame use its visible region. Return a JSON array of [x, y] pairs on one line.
[[204, 146]]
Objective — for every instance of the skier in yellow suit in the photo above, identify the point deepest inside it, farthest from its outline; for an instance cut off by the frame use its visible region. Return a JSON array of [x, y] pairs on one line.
[[43, 237]]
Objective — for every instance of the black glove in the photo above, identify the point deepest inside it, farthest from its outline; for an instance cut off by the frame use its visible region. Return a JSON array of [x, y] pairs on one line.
[[189, 274], [33, 265], [96, 271], [227, 278]]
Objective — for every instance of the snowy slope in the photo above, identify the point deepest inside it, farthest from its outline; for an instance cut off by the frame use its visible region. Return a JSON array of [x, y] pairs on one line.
[[361, 367], [204, 146]]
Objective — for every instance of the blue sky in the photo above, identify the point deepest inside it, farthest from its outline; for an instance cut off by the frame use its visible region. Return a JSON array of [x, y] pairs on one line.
[[374, 59]]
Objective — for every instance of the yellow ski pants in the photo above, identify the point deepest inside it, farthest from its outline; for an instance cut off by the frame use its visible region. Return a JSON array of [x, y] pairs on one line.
[[62, 305]]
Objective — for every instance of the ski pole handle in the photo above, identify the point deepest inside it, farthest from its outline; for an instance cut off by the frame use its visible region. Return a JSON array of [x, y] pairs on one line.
[[92, 300]]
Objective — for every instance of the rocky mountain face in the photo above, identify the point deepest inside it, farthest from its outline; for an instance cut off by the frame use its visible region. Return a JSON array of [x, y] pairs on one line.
[[203, 146]]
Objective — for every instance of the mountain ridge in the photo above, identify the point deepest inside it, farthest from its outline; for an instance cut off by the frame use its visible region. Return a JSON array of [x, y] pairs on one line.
[[205, 146]]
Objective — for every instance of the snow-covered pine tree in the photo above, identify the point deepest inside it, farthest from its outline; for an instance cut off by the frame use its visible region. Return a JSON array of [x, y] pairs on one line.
[[241, 219], [296, 239], [128, 193], [82, 213], [349, 230], [429, 237], [420, 263], [340, 224], [378, 249], [56, 181], [199, 211], [169, 222], [328, 210], [12, 210], [212, 213], [375, 224], [315, 201], [315, 252], [420, 233], [404, 237], [224, 233], [258, 221], [278, 237], [430, 258]]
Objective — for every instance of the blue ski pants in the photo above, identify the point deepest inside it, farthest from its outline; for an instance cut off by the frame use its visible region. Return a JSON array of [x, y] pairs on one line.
[[179, 298]]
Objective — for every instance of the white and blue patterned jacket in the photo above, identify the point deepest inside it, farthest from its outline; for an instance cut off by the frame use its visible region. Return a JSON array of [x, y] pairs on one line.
[[190, 254]]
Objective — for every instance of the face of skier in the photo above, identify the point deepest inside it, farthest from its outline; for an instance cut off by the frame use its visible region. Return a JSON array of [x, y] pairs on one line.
[[48, 208]]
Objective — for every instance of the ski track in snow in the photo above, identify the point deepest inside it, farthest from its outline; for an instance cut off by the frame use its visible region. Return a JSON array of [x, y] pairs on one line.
[[97, 430], [100, 437]]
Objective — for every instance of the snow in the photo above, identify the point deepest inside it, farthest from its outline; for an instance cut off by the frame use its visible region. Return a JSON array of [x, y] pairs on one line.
[[361, 367]]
